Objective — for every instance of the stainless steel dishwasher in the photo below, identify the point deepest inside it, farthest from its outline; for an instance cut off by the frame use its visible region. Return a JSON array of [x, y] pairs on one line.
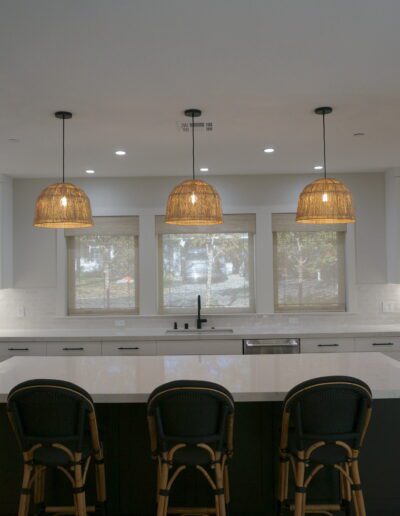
[[270, 346]]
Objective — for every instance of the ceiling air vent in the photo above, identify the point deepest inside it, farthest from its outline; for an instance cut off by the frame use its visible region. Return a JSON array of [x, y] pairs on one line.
[[199, 126]]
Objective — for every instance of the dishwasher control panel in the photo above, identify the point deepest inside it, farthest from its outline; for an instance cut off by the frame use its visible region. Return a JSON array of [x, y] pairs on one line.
[[270, 346]]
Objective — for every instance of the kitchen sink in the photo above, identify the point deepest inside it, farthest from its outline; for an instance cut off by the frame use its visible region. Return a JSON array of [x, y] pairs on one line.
[[203, 331]]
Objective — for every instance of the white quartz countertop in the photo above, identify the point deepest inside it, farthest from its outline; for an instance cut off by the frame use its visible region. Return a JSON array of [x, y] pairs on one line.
[[243, 332], [249, 377]]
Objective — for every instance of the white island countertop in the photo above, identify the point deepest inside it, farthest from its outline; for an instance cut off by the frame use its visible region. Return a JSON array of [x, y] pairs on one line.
[[249, 377]]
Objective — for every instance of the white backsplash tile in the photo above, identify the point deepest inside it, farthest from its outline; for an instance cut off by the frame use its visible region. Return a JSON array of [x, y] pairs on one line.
[[35, 308]]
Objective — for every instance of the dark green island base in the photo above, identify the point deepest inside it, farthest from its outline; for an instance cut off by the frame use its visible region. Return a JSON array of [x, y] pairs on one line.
[[131, 472]]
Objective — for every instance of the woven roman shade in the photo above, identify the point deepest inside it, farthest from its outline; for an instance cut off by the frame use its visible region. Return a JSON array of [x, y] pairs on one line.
[[234, 223], [286, 222], [108, 226]]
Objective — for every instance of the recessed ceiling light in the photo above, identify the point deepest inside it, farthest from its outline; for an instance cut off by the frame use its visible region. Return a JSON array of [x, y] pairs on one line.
[[318, 167], [204, 169], [120, 153], [269, 150], [90, 171]]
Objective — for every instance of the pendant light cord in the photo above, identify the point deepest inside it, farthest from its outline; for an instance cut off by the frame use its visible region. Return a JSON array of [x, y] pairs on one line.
[[193, 144], [63, 150], [323, 131]]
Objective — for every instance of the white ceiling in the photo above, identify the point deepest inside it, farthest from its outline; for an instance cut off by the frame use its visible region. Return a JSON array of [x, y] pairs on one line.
[[128, 68]]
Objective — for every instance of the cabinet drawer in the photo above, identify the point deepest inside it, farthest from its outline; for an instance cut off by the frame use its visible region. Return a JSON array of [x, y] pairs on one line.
[[199, 347], [133, 347], [73, 348], [11, 349], [377, 344], [332, 345]]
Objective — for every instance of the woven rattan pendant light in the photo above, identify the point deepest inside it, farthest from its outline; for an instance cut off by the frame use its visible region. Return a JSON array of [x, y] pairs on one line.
[[194, 202], [326, 200], [63, 205]]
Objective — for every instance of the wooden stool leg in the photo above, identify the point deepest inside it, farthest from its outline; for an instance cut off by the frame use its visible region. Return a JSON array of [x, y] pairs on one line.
[[299, 499], [25, 496], [39, 485], [219, 482], [99, 460], [345, 487], [283, 481], [162, 506], [101, 483], [80, 498], [166, 504], [217, 508], [357, 493], [226, 488], [355, 504]]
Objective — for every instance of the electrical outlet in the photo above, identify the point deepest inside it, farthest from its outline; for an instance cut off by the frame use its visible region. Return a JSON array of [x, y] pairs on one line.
[[390, 307], [119, 323]]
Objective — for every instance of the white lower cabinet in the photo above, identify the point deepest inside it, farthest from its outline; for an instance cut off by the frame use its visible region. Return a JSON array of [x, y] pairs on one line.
[[382, 344], [73, 348], [199, 347], [332, 345], [390, 346], [135, 347], [23, 348]]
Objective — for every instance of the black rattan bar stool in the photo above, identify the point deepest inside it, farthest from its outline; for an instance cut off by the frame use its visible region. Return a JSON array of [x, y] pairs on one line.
[[323, 425], [56, 427], [191, 424]]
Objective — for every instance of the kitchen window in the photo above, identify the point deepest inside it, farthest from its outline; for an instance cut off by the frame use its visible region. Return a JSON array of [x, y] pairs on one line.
[[216, 262], [103, 267], [309, 265]]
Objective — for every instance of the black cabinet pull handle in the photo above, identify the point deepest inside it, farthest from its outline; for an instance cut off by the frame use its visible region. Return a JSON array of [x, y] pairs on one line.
[[382, 344], [18, 349], [127, 348], [328, 345], [72, 349]]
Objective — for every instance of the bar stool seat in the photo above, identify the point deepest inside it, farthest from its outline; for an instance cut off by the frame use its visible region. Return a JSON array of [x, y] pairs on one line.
[[191, 425], [56, 427], [324, 423]]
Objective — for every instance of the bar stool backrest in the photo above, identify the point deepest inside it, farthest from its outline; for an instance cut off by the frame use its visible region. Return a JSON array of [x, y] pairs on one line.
[[331, 408], [189, 412], [50, 411]]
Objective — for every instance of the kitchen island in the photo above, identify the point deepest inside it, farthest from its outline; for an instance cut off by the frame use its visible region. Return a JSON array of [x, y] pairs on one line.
[[120, 387]]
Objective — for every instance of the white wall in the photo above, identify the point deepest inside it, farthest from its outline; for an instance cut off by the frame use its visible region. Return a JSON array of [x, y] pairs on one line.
[[6, 232], [35, 250]]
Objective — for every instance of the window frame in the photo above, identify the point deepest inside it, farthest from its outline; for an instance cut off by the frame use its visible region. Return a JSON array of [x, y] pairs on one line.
[[148, 252], [71, 285], [350, 269], [162, 310]]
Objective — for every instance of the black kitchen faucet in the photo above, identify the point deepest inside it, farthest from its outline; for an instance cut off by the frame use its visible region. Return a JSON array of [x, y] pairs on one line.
[[199, 321]]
